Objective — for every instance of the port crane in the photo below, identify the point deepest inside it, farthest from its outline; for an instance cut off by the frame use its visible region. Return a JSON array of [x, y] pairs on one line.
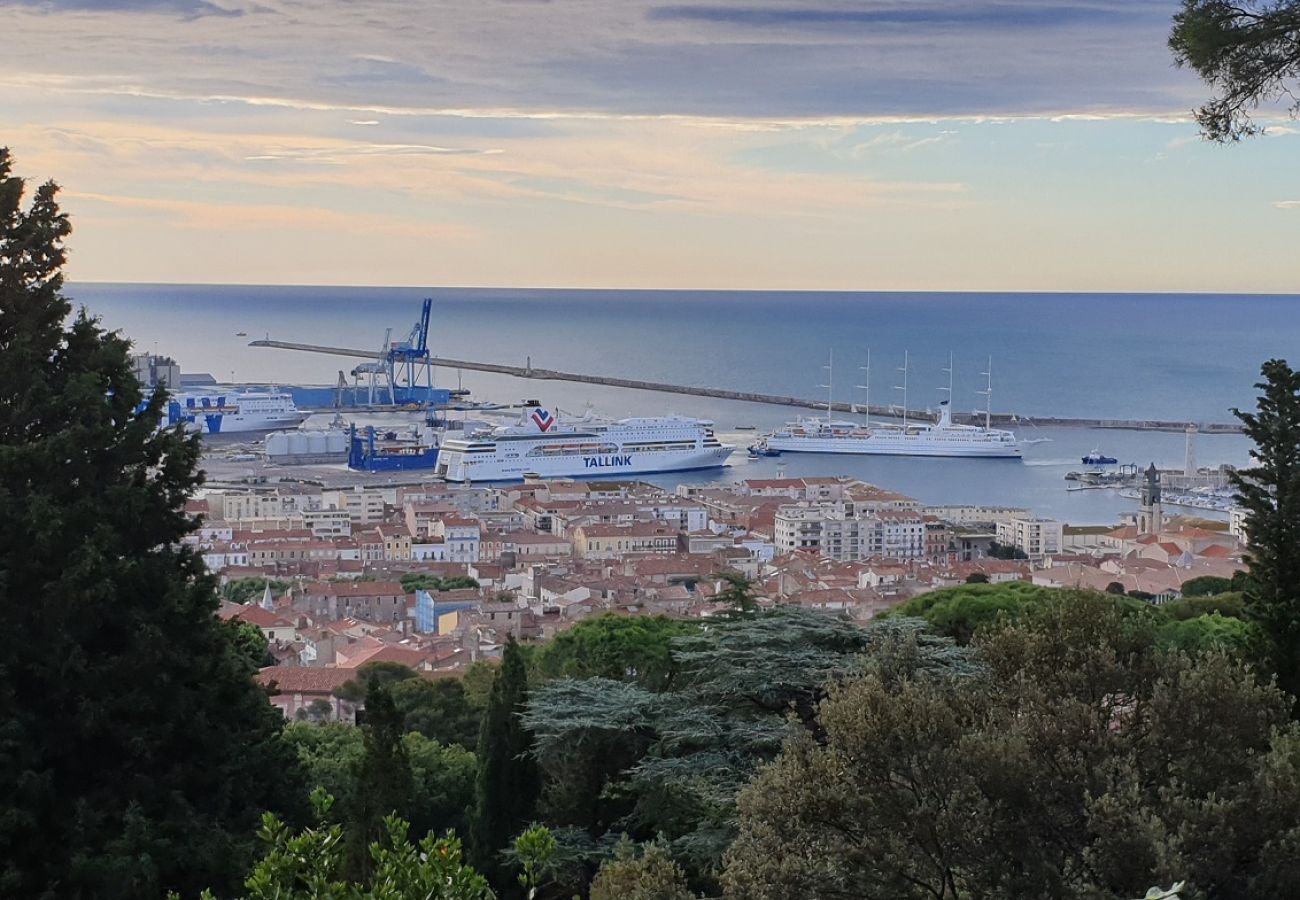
[[404, 366]]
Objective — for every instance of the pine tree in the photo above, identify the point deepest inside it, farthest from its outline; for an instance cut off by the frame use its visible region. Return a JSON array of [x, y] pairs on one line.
[[136, 753], [1270, 493], [508, 783]]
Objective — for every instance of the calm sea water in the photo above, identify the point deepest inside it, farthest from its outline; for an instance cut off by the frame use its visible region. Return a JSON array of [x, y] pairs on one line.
[[1167, 356]]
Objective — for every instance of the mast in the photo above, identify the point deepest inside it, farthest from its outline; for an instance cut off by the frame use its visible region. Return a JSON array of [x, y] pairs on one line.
[[903, 387], [988, 395], [830, 382], [948, 389], [866, 389]]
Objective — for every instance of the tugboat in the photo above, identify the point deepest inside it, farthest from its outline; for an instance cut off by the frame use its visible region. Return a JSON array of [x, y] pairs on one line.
[[1095, 458], [758, 451]]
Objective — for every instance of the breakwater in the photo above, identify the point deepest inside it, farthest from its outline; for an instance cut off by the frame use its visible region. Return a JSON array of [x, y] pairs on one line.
[[893, 412]]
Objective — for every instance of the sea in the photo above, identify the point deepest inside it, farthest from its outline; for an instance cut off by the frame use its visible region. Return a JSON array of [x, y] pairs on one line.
[[1179, 357]]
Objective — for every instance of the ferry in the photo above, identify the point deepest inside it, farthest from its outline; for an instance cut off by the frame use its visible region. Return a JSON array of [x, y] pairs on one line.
[[939, 438], [234, 412], [553, 446]]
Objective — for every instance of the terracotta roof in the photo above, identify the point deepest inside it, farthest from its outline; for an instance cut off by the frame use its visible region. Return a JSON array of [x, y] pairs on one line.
[[256, 615], [304, 679]]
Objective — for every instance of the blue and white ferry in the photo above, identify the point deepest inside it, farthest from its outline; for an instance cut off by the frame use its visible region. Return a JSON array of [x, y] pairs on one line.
[[234, 412], [552, 446]]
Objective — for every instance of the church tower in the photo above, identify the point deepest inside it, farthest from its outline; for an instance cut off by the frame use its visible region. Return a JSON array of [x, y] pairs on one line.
[[1150, 513]]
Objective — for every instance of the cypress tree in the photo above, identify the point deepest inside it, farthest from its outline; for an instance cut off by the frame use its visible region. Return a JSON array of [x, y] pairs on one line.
[[1270, 493], [508, 783], [136, 752], [383, 777]]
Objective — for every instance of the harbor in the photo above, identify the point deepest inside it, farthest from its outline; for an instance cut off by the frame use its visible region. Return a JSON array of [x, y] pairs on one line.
[[528, 371]]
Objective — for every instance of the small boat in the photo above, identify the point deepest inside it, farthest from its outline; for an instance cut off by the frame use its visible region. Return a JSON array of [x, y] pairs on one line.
[[1095, 458], [241, 334], [758, 451], [746, 428]]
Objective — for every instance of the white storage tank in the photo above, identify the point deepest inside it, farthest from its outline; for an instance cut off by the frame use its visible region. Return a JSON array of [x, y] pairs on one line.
[[317, 443], [336, 442], [277, 444]]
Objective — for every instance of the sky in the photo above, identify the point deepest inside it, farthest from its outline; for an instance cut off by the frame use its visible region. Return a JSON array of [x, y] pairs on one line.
[[994, 145]]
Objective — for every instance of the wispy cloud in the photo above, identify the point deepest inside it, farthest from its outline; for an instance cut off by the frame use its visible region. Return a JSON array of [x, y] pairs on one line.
[[1287, 204]]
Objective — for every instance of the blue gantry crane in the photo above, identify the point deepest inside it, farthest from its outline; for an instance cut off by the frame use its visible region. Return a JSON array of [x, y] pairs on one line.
[[410, 359], [402, 369]]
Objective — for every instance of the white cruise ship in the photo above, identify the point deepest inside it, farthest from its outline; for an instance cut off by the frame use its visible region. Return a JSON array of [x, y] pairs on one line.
[[547, 445], [234, 412], [911, 438], [941, 438]]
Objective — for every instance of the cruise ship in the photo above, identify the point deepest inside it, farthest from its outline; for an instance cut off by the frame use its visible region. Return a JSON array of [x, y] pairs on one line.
[[545, 444], [234, 412], [940, 438]]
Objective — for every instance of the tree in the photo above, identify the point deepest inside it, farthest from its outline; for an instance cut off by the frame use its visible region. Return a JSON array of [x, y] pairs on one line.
[[243, 590], [977, 578], [617, 647], [1205, 586], [1270, 493], [1077, 765], [310, 865], [136, 752], [1248, 50], [1006, 551], [619, 758], [385, 673], [438, 709], [507, 781], [959, 612], [250, 643], [383, 776], [650, 876]]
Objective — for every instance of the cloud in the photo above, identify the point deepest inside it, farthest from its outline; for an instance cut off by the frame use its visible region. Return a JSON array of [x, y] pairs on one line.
[[190, 9], [1287, 204], [753, 61], [920, 15]]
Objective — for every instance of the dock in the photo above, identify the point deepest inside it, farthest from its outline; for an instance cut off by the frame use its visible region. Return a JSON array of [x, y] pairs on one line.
[[1004, 420]]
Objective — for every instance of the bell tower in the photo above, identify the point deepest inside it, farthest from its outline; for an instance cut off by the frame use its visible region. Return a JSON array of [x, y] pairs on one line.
[[1150, 513]]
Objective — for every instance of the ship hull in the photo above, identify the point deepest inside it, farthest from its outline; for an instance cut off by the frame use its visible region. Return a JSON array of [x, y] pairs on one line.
[[894, 447], [457, 466]]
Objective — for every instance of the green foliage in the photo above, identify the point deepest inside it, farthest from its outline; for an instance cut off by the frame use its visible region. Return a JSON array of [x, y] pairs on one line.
[[417, 582], [1270, 492], [1087, 762], [1206, 585], [385, 673], [1247, 50], [618, 757], [1006, 551], [442, 778], [249, 590], [477, 682], [737, 593], [959, 611], [1232, 605], [249, 643], [310, 865], [612, 646], [650, 876], [508, 785], [1211, 632], [442, 784], [438, 709], [534, 848], [977, 578], [383, 776], [136, 753]]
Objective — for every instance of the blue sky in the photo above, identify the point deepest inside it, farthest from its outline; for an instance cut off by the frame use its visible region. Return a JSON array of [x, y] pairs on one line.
[[914, 144]]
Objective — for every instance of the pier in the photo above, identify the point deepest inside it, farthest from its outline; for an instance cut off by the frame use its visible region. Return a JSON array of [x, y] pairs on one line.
[[1000, 419]]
